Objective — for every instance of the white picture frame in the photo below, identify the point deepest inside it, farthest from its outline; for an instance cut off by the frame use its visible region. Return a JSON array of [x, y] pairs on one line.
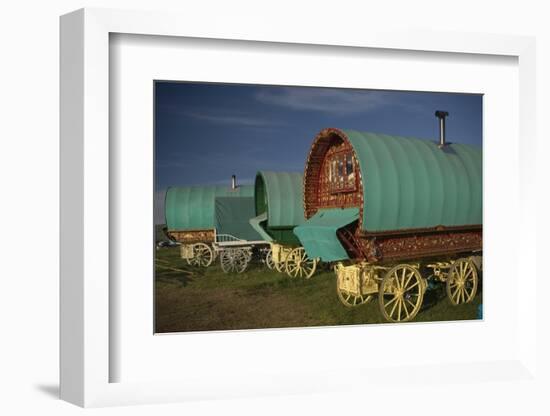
[[85, 212]]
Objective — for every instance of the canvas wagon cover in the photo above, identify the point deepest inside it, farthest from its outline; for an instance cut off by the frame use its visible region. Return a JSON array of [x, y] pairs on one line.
[[232, 217], [412, 183], [280, 194], [192, 207]]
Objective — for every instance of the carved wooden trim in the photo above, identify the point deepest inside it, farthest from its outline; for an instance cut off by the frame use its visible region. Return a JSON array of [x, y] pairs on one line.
[[192, 236]]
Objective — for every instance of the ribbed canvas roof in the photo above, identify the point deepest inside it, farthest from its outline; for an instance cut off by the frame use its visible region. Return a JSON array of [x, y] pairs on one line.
[[282, 192], [412, 183], [192, 208]]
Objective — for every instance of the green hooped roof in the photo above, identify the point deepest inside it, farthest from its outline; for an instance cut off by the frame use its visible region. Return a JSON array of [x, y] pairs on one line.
[[280, 194], [193, 207], [412, 183]]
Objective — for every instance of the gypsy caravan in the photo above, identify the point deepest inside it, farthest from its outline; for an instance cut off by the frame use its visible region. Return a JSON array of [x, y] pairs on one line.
[[279, 208], [213, 220], [392, 213]]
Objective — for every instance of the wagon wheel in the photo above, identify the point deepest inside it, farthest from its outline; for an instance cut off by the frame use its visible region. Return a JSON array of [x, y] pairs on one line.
[[226, 261], [298, 264], [462, 282], [241, 259], [280, 266], [202, 255], [269, 260], [349, 299], [234, 260], [401, 293]]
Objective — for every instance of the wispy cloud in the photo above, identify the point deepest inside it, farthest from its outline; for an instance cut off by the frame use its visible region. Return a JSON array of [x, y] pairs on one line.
[[232, 119], [226, 116], [328, 100]]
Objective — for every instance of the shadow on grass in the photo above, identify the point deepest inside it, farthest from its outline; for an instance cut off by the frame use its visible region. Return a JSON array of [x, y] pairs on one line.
[[433, 296], [181, 278]]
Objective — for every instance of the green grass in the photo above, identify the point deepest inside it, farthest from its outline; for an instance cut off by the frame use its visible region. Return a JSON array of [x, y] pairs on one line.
[[202, 299]]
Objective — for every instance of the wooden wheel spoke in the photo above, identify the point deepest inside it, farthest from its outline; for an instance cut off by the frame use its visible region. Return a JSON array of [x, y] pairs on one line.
[[455, 293], [402, 282], [405, 308], [399, 303], [408, 280], [390, 301], [412, 304], [394, 307]]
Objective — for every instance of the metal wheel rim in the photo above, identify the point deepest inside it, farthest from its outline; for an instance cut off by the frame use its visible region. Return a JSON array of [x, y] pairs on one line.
[[401, 293], [462, 282], [298, 264]]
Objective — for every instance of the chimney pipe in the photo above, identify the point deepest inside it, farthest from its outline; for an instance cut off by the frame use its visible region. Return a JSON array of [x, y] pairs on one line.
[[233, 182], [441, 116]]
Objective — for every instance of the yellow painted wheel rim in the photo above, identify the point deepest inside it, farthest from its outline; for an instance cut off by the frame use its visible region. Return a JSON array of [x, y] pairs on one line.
[[462, 282], [351, 300], [298, 264], [401, 293]]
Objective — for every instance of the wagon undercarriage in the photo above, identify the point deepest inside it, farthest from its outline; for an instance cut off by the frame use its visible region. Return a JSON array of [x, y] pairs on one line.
[[290, 260], [234, 254], [400, 288]]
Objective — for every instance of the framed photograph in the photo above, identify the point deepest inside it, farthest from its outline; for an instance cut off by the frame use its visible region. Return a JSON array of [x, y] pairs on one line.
[[283, 213], [262, 251]]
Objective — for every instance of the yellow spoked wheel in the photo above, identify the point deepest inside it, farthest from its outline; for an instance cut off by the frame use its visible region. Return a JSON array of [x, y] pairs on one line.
[[298, 264], [348, 298], [401, 293], [269, 260], [462, 282], [202, 255]]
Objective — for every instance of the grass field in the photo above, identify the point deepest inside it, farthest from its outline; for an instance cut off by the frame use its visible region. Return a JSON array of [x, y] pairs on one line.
[[202, 299]]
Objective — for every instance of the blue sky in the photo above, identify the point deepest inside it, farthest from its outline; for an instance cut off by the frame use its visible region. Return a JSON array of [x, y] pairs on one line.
[[204, 133]]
